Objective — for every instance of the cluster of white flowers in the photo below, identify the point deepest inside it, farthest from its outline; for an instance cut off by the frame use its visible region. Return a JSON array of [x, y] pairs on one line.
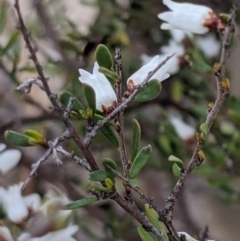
[[184, 19], [18, 208]]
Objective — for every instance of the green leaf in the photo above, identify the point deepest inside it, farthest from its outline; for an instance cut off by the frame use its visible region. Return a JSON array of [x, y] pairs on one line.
[[76, 104], [140, 161], [111, 75], [109, 163], [35, 135], [3, 16], [204, 129], [176, 170], [19, 139], [108, 131], [134, 182], [104, 57], [98, 176], [173, 158], [90, 96], [13, 40], [196, 61], [135, 139], [153, 218], [148, 92], [96, 187], [145, 236], [80, 203]]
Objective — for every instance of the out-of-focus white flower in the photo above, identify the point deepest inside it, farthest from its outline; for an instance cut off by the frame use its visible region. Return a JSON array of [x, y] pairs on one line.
[[9, 159], [106, 98], [33, 201], [174, 63], [52, 207], [5, 234], [2, 147], [13, 203], [189, 238], [162, 74], [209, 45], [184, 131], [60, 235], [188, 17], [179, 35]]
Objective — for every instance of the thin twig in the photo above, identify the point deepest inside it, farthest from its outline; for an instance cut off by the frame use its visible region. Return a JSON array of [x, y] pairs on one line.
[[221, 97], [51, 96], [82, 162]]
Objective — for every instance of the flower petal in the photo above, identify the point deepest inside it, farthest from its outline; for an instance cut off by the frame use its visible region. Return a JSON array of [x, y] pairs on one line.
[[9, 159]]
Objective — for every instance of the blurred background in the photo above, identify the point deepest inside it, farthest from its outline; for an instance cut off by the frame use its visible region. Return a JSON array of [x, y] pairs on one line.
[[66, 34]]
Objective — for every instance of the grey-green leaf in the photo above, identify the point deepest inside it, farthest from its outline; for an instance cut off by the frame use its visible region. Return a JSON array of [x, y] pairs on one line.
[[98, 176], [80, 203], [76, 104], [140, 161], [135, 139], [144, 235], [104, 57], [148, 92], [176, 170], [19, 139], [153, 218], [90, 96]]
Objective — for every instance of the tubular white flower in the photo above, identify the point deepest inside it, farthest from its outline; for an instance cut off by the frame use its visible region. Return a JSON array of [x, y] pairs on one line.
[[105, 95], [162, 74], [184, 131], [187, 17], [13, 203], [9, 159]]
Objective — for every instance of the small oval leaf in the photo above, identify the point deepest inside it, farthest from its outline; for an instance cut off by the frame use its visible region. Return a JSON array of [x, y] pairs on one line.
[[91, 98], [76, 104], [176, 170], [145, 236], [104, 57], [35, 135], [148, 92], [108, 132], [80, 203], [112, 164], [98, 176], [153, 218], [139, 161], [205, 130], [19, 139], [111, 75], [173, 158], [135, 139]]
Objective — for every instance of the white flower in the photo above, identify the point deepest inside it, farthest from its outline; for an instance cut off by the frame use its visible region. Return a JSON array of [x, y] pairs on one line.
[[2, 147], [60, 235], [209, 45], [188, 17], [9, 159], [13, 203], [162, 74], [179, 35], [5, 234], [33, 201], [189, 238], [105, 95], [184, 131]]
